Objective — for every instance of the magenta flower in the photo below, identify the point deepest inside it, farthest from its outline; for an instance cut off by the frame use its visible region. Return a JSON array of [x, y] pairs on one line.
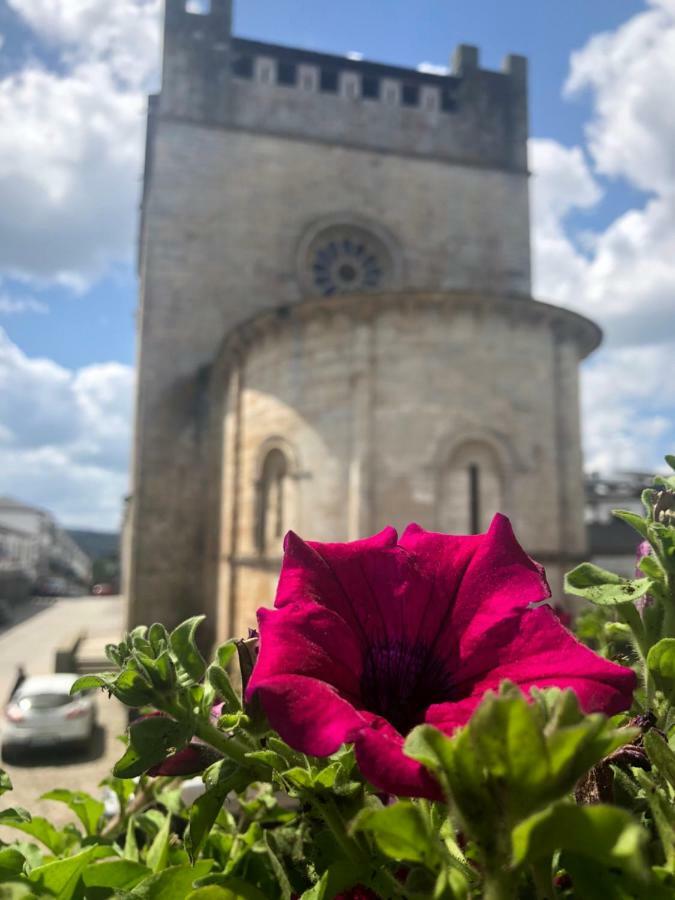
[[371, 638]]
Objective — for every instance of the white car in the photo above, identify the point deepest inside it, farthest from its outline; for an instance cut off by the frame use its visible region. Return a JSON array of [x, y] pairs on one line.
[[42, 713]]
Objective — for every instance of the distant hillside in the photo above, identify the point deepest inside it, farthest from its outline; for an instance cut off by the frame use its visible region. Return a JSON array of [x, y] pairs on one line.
[[97, 544]]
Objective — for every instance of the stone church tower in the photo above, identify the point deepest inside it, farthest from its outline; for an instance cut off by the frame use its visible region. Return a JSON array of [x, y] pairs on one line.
[[336, 326]]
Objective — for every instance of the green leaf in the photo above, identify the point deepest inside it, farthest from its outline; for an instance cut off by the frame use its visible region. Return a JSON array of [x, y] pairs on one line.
[[606, 834], [663, 813], [88, 810], [62, 876], [158, 638], [649, 565], [14, 814], [90, 682], [670, 459], [158, 852], [151, 740], [400, 831], [228, 887], [514, 758], [11, 863], [604, 588], [336, 879], [661, 755], [172, 883], [220, 681], [226, 653], [56, 841], [298, 777], [184, 646], [661, 663], [131, 688], [115, 873], [269, 758], [279, 871], [223, 777], [5, 782], [636, 522]]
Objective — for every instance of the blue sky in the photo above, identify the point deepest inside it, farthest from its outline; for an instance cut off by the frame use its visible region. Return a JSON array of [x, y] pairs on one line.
[[73, 77]]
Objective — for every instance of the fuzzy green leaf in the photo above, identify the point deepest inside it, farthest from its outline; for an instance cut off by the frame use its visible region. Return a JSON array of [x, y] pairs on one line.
[[11, 863], [636, 522], [151, 740], [88, 810], [115, 873], [5, 782], [223, 777], [62, 876], [661, 755], [604, 588], [661, 663], [158, 852], [400, 831], [172, 883], [605, 833], [184, 646]]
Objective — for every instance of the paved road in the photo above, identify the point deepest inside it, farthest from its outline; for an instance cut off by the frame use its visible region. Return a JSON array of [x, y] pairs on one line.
[[33, 643]]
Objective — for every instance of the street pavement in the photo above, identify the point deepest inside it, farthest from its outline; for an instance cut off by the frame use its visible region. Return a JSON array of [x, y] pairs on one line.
[[32, 643]]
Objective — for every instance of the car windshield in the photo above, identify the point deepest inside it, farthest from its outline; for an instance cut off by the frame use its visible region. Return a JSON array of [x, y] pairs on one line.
[[44, 701]]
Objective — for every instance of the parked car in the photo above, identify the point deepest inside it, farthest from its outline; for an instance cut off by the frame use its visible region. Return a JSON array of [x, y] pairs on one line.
[[103, 590], [42, 713]]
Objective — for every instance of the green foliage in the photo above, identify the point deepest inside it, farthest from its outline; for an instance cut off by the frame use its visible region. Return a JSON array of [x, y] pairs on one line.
[[604, 588], [275, 824]]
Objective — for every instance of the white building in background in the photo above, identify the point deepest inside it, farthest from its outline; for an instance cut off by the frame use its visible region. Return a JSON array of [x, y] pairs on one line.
[[33, 543], [613, 543], [18, 552]]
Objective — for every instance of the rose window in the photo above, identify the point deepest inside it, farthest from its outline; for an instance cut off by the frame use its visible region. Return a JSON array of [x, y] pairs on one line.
[[347, 261]]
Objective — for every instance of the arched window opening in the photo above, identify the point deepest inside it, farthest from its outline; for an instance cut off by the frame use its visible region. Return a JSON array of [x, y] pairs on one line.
[[471, 490], [272, 513]]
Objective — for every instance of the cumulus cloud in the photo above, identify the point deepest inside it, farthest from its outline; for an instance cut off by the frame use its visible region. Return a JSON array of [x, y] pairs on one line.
[[12, 306], [65, 438], [71, 142], [622, 276], [630, 73]]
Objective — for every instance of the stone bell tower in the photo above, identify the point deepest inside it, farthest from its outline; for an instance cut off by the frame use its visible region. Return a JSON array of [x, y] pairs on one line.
[[336, 327]]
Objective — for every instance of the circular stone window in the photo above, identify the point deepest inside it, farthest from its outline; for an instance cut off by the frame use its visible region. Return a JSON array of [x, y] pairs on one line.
[[347, 260]]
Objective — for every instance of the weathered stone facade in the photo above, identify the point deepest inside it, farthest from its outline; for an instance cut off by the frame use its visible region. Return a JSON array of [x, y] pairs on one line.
[[336, 328]]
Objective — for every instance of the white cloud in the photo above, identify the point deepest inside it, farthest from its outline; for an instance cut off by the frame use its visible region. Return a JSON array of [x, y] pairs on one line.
[[71, 141], [124, 34], [65, 435], [631, 73], [433, 68], [12, 306], [622, 276]]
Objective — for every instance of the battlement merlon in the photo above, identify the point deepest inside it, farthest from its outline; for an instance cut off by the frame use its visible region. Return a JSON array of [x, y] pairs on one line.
[[467, 114]]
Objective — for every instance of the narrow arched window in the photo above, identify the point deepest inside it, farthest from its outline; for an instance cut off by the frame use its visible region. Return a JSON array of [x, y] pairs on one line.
[[470, 490], [271, 514]]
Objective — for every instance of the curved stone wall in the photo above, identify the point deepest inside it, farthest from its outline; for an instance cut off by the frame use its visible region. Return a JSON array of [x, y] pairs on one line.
[[392, 408]]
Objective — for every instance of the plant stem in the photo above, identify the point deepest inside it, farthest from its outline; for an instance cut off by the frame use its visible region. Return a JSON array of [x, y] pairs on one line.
[[541, 873], [497, 886], [225, 744], [353, 851]]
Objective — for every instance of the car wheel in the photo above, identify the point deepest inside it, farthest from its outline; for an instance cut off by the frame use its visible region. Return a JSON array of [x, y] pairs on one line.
[[9, 753]]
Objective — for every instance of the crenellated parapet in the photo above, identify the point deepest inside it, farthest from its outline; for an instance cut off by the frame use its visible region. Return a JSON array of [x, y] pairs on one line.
[[467, 114]]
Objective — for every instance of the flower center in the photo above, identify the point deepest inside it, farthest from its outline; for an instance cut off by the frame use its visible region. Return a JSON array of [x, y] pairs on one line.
[[400, 681]]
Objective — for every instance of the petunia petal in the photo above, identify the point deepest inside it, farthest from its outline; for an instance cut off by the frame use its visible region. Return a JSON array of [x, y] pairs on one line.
[[478, 580], [368, 583], [540, 653], [304, 638], [309, 714], [379, 753]]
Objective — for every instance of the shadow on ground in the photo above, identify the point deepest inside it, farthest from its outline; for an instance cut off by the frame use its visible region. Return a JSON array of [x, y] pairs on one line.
[[39, 757]]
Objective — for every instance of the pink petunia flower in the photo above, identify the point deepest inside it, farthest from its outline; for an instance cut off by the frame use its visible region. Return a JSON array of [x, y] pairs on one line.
[[369, 639]]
